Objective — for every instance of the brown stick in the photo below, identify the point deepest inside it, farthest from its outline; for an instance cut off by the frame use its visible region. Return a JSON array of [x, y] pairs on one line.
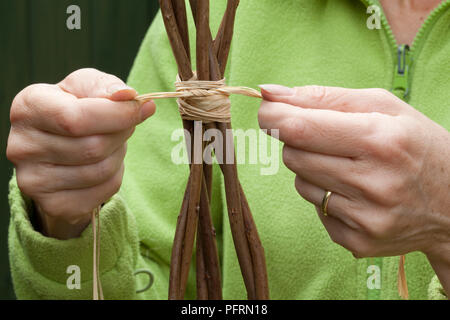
[[179, 8], [209, 248], [224, 36], [222, 45], [177, 248], [229, 170], [215, 73], [233, 202], [257, 251], [177, 287], [208, 242], [202, 286], [179, 51], [235, 214], [193, 212], [202, 19]]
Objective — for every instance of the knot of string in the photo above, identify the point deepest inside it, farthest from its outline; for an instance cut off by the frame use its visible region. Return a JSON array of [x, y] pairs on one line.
[[206, 101]]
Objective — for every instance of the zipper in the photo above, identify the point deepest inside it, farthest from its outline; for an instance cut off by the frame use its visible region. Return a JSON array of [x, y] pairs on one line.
[[403, 56], [400, 85]]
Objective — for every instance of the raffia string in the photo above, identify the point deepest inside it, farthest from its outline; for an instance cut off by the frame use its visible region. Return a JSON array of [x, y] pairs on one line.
[[97, 285], [402, 285], [206, 101]]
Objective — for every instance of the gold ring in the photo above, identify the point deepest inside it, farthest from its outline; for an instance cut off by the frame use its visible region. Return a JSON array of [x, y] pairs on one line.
[[325, 201]]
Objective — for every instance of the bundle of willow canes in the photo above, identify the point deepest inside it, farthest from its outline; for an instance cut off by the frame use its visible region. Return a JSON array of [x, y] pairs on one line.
[[194, 221]]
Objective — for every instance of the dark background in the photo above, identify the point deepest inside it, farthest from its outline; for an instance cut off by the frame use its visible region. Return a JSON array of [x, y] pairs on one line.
[[37, 47]]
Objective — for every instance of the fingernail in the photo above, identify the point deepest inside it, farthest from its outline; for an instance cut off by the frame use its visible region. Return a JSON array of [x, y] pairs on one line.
[[118, 87], [277, 90], [147, 109]]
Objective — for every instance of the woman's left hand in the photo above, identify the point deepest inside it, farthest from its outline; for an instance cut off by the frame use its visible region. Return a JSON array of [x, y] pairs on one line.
[[386, 164]]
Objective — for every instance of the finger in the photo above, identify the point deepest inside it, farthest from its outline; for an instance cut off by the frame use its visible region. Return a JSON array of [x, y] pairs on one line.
[[92, 83], [55, 178], [325, 171], [321, 131], [40, 146], [55, 111], [62, 203], [338, 205], [335, 98]]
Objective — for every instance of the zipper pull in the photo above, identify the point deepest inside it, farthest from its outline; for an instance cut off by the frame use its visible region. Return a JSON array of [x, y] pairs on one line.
[[401, 78]]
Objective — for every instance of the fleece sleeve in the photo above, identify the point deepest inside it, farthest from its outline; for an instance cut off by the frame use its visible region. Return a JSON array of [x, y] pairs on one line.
[[436, 290], [43, 268]]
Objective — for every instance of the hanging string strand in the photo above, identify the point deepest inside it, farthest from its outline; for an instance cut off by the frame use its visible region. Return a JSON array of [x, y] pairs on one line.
[[97, 285]]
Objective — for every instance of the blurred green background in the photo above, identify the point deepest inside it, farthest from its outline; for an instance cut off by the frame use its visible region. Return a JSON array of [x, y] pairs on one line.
[[37, 47]]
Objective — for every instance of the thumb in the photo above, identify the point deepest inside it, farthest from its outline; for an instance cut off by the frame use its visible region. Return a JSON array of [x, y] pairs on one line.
[[91, 83]]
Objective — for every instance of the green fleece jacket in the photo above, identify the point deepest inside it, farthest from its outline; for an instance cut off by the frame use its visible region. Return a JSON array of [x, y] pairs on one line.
[[289, 42]]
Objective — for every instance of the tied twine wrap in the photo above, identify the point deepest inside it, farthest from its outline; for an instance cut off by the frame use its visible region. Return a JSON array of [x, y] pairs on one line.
[[206, 101]]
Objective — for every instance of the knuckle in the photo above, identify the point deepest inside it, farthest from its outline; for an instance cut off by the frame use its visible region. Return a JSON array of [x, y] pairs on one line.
[[17, 111], [389, 142], [84, 209], [363, 250], [19, 148], [94, 149], [54, 207], [51, 208], [389, 192], [334, 238], [288, 157], [131, 114], [383, 188], [396, 142], [105, 169], [263, 115], [316, 94], [31, 93], [66, 207], [14, 152], [69, 121], [116, 182], [34, 95], [103, 78], [80, 74], [26, 182], [360, 247], [382, 93], [379, 96], [380, 228]]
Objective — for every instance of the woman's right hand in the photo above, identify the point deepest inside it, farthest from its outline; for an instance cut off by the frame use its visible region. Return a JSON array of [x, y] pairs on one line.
[[68, 143]]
